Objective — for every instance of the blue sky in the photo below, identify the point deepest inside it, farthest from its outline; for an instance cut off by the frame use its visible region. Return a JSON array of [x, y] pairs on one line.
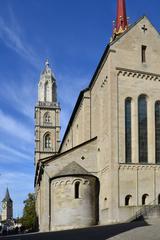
[[73, 35]]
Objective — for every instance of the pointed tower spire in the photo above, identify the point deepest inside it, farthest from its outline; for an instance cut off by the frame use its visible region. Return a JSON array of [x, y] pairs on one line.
[[47, 63], [47, 69], [121, 20], [7, 207], [7, 197]]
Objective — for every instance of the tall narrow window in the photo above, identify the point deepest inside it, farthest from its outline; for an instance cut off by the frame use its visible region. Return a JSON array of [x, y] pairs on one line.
[[142, 127], [47, 141], [128, 143], [157, 130], [46, 92], [143, 53], [47, 118], [76, 193]]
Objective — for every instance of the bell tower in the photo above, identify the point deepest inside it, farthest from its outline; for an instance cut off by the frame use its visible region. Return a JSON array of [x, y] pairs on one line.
[[7, 207], [47, 116]]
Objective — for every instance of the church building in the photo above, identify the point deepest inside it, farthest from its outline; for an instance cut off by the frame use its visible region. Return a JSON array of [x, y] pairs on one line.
[[107, 166], [7, 207]]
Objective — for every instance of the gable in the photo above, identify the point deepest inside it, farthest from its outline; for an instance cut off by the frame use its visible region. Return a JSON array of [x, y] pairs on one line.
[[72, 168], [128, 47], [126, 54]]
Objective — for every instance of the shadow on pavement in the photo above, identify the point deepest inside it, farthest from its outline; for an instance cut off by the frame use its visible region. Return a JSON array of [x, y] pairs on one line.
[[92, 233]]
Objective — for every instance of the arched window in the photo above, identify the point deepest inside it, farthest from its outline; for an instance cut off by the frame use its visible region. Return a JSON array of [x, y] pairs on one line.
[[159, 199], [76, 190], [47, 141], [144, 199], [128, 200], [47, 118], [46, 92], [157, 131], [142, 127], [128, 142], [36, 134]]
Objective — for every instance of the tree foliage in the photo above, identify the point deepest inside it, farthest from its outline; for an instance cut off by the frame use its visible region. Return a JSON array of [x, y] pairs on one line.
[[29, 219]]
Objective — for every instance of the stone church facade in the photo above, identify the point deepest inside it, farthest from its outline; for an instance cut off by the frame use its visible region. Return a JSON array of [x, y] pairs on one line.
[[108, 164]]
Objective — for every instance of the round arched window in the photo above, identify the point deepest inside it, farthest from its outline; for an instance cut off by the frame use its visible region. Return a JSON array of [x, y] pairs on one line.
[[76, 189], [47, 141], [144, 199], [47, 118], [128, 200]]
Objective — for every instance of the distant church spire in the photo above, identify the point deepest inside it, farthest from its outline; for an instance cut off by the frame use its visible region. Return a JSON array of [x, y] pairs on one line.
[[7, 197], [121, 21], [7, 207]]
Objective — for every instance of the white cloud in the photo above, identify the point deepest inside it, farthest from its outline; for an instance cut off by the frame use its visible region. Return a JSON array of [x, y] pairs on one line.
[[15, 128], [20, 97], [12, 37], [7, 150]]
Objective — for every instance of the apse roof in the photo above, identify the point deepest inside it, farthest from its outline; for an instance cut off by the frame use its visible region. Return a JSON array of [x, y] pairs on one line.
[[72, 168]]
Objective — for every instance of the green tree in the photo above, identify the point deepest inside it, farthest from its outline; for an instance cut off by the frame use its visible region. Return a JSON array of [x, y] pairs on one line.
[[29, 218]]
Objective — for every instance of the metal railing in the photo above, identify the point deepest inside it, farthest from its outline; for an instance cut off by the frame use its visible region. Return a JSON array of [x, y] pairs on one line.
[[145, 210]]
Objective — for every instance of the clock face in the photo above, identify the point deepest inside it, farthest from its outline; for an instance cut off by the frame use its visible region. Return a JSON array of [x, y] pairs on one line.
[[4, 205]]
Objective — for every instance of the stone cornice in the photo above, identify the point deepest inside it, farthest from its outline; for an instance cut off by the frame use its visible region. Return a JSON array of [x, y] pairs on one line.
[[139, 167], [68, 180], [138, 74]]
